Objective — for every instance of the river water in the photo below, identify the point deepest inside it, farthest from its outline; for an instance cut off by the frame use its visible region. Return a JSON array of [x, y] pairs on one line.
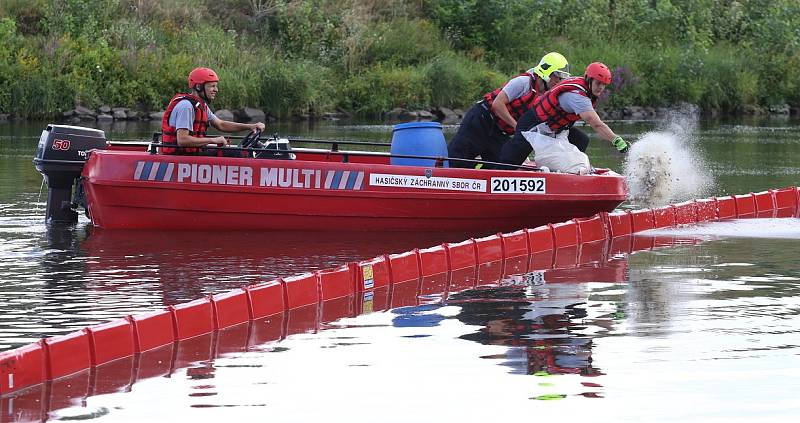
[[704, 327]]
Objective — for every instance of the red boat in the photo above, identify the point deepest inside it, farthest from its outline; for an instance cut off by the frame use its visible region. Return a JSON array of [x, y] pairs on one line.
[[311, 189]]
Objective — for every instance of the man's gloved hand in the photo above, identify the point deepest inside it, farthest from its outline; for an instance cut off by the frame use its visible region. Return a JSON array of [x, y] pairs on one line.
[[621, 145]]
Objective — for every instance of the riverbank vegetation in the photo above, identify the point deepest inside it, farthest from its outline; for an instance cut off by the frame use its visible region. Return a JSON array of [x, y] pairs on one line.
[[308, 57]]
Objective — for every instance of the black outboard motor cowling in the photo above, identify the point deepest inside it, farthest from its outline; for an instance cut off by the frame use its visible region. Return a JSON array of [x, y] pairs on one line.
[[60, 157]]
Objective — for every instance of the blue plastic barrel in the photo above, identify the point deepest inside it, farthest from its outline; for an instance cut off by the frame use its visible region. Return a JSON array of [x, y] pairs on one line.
[[418, 139]]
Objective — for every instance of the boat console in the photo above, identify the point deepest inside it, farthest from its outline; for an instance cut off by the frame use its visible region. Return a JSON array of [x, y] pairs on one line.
[[274, 148]]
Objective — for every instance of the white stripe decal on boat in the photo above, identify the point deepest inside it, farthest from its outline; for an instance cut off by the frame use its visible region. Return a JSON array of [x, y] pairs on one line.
[[343, 180], [138, 173], [359, 181], [153, 171], [329, 179], [168, 175]]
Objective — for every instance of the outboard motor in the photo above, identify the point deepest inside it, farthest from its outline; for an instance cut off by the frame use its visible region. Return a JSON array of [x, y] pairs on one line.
[[60, 157]]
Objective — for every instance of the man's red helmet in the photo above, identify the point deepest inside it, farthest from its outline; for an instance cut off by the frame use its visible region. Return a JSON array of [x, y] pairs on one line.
[[201, 76], [599, 72]]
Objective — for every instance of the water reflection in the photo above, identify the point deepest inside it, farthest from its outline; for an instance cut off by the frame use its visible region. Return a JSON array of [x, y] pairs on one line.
[[80, 275], [543, 317], [61, 263], [189, 264], [549, 316], [560, 313]]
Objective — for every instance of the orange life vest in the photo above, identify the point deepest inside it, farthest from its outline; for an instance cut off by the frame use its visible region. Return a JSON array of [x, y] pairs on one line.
[[169, 134], [547, 107], [516, 107]]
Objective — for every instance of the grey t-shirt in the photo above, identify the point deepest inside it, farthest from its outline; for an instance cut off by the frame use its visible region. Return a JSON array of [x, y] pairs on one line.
[[574, 103], [571, 102], [517, 87], [182, 116]]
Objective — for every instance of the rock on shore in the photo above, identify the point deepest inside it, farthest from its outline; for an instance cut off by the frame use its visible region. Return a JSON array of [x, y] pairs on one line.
[[444, 115]]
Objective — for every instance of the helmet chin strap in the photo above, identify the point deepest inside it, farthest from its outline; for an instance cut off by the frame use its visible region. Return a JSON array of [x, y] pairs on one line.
[[200, 89], [545, 82], [589, 84]]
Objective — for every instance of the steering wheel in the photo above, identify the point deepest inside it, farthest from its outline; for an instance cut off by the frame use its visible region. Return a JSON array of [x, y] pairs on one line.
[[250, 140]]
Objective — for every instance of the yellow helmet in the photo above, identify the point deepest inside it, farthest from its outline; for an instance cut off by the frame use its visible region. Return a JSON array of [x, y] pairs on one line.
[[550, 63]]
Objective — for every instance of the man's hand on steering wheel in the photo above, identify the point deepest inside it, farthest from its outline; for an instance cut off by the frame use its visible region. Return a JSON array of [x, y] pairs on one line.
[[251, 139], [258, 126]]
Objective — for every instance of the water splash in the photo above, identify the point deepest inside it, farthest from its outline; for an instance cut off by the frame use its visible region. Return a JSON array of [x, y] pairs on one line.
[[664, 166], [39, 198], [771, 228]]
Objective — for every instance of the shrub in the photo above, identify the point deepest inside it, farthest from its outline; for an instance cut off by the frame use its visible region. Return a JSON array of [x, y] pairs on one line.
[[368, 56], [38, 95], [295, 87], [29, 15], [310, 29], [379, 89], [455, 81], [402, 42]]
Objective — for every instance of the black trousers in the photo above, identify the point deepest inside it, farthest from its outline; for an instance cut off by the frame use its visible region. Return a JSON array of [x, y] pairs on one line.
[[518, 148], [478, 135]]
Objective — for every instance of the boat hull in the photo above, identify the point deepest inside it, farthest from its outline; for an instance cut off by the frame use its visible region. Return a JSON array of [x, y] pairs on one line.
[[139, 190]]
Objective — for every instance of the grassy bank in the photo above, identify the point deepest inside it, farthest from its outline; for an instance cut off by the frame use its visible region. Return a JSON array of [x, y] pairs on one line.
[[293, 57]]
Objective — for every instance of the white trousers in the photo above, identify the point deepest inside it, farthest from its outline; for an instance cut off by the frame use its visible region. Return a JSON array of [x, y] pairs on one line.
[[555, 152]]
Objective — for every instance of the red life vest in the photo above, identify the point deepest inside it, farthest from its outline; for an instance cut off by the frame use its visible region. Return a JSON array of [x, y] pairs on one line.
[[547, 107], [516, 107], [169, 134]]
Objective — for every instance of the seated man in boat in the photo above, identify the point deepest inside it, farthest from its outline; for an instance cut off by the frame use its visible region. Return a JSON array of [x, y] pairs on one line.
[[545, 127], [187, 117], [491, 122]]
